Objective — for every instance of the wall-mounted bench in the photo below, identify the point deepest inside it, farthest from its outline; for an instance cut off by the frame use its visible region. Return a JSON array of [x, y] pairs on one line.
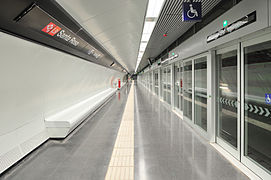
[[62, 123]]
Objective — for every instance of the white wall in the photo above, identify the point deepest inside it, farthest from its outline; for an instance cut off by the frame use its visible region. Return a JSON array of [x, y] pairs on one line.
[[36, 82]]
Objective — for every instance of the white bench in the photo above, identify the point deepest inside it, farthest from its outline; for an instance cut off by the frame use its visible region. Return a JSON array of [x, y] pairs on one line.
[[62, 123]]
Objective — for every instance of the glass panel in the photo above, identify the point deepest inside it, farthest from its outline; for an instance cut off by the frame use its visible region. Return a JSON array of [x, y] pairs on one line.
[[200, 91], [156, 78], [227, 97], [156, 82], [148, 81], [161, 82], [187, 90], [181, 87], [257, 103], [150, 78], [176, 85], [169, 85], [164, 84]]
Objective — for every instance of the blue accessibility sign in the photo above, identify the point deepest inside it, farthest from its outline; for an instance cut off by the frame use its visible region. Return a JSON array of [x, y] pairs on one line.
[[192, 11], [268, 98]]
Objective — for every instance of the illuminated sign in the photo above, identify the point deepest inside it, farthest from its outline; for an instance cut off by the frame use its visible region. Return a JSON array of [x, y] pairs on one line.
[[192, 11], [40, 21], [53, 29], [248, 19], [169, 59], [225, 23], [94, 53], [268, 98], [49, 27]]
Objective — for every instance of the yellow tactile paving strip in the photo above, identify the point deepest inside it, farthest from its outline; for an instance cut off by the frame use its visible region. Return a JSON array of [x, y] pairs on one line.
[[121, 166]]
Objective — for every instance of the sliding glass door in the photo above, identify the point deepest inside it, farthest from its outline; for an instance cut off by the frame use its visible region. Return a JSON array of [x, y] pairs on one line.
[[256, 105], [227, 99], [178, 83], [200, 92], [197, 93], [156, 83], [151, 81], [167, 84], [164, 82], [187, 90], [244, 103]]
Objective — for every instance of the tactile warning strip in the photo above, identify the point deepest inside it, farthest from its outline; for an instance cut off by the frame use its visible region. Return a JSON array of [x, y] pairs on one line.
[[121, 166]]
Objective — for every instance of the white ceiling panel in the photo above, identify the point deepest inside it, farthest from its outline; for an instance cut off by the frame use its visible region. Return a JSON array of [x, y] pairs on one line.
[[116, 24]]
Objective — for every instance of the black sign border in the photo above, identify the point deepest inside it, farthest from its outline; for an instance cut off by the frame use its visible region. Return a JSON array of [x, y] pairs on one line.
[[244, 25]]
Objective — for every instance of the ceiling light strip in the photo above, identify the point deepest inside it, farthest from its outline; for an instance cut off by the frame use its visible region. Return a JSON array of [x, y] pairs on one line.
[[153, 12]]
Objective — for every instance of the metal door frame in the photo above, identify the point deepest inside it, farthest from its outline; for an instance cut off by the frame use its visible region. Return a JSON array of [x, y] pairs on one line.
[[234, 152], [246, 160], [210, 122], [190, 121]]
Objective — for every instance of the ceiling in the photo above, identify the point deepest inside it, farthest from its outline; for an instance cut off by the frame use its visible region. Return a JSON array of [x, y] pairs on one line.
[[116, 24], [170, 22]]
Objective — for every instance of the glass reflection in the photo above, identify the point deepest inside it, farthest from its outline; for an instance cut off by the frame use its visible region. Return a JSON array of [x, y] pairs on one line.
[[168, 85], [257, 106], [177, 85], [200, 92], [156, 85], [187, 90], [227, 97], [164, 82]]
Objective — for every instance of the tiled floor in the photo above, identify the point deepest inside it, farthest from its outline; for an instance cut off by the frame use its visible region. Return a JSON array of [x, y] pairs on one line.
[[166, 148], [150, 142], [121, 166], [84, 155]]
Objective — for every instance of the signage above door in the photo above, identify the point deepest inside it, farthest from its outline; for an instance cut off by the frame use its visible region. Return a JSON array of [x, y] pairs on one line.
[[244, 21]]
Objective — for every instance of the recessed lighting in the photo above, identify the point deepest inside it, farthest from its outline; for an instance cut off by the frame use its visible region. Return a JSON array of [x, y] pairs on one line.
[[153, 11]]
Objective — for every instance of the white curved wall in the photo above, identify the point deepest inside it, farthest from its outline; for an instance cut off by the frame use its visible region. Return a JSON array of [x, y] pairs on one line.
[[36, 82]]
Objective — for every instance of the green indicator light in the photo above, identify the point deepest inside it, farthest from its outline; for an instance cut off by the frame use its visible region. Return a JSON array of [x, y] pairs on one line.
[[173, 54], [225, 23]]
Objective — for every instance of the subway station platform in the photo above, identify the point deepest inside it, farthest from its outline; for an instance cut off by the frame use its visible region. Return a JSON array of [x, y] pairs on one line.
[[164, 146], [135, 89]]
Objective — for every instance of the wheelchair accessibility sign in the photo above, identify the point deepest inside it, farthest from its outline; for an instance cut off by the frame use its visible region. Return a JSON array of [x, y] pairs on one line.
[[192, 11], [268, 98]]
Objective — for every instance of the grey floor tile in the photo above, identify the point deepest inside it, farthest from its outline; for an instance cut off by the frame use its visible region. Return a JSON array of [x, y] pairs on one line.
[[167, 148], [84, 155]]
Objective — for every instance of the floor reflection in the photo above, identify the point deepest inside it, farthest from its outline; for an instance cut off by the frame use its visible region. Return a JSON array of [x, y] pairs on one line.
[[167, 148]]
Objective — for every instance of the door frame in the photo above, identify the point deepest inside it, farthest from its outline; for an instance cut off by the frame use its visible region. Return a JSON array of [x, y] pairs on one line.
[[210, 123], [244, 159], [234, 152], [179, 111]]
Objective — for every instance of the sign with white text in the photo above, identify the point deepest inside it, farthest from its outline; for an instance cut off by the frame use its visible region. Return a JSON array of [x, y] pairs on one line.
[[38, 20], [244, 21]]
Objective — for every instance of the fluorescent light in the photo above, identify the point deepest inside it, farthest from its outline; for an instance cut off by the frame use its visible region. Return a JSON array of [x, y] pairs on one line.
[[143, 44], [153, 11], [154, 8], [146, 37], [142, 48], [148, 27]]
